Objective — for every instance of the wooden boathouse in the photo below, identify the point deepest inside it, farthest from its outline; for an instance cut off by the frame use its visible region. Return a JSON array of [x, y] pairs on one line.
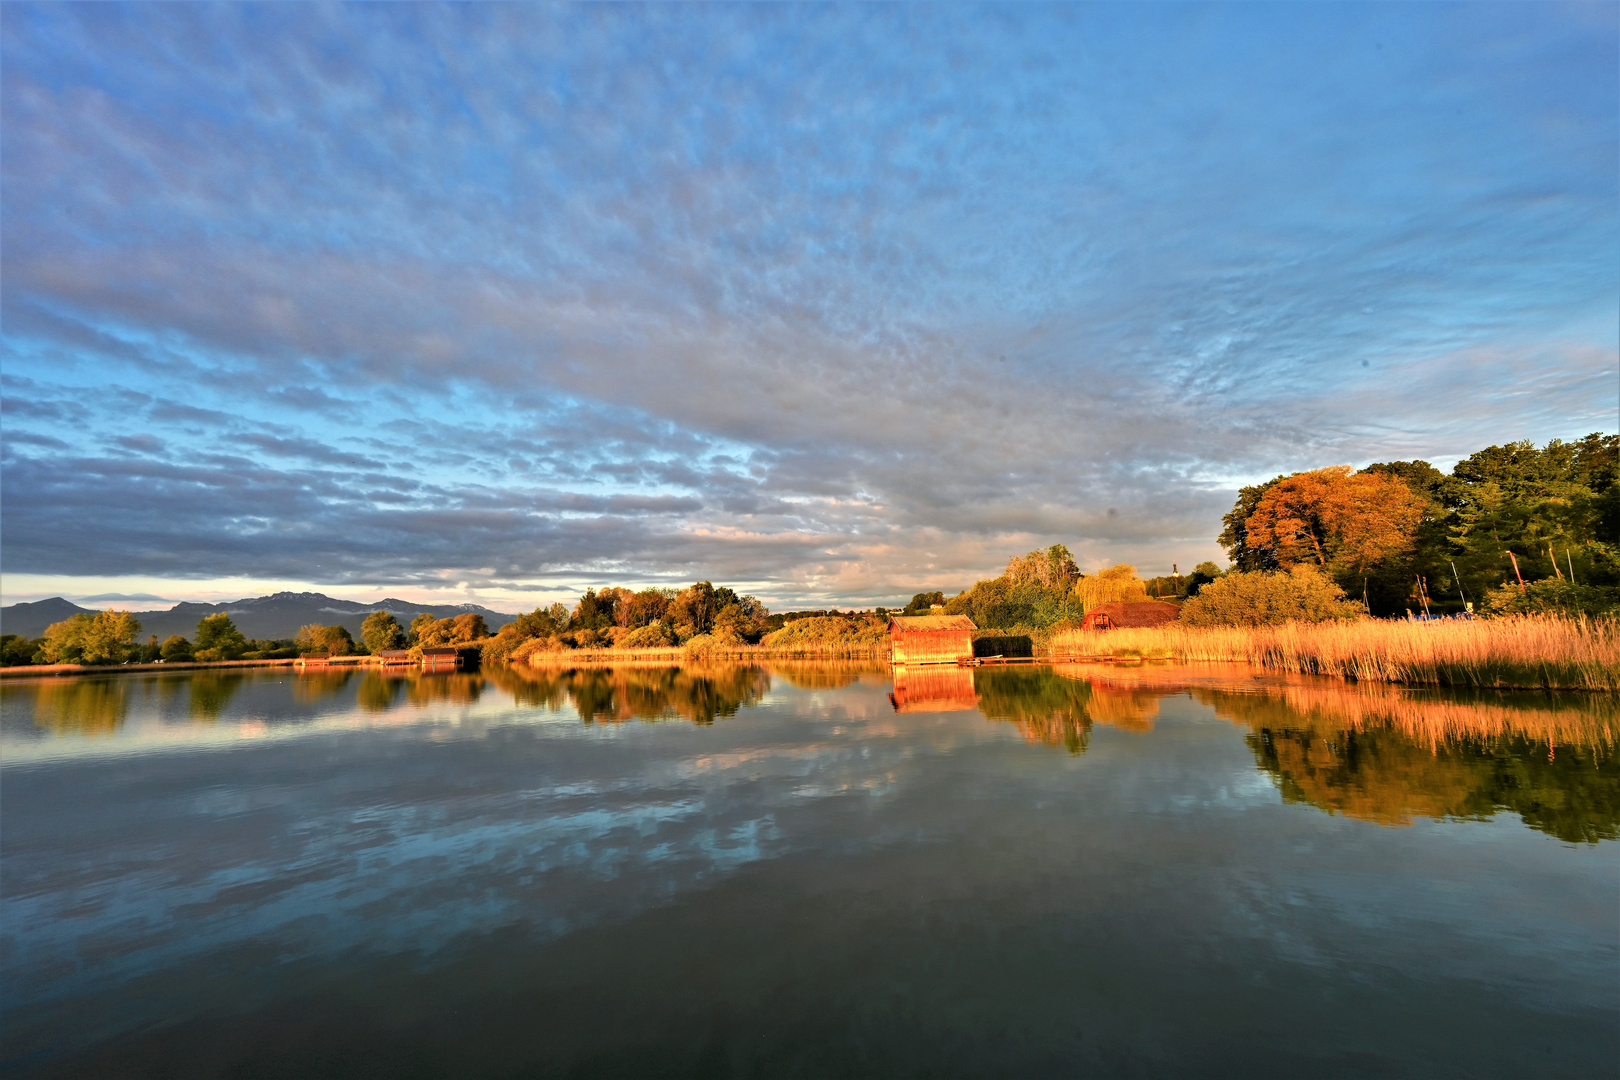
[[439, 658], [1135, 613], [394, 656], [930, 639]]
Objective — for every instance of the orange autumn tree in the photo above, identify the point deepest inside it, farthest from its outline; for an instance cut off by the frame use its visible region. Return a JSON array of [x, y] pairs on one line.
[[1337, 519]]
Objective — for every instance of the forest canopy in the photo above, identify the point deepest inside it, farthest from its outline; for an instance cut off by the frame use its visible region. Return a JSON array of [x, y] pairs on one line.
[[1403, 535]]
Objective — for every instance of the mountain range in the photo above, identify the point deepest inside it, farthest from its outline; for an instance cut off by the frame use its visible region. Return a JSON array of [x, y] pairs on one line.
[[278, 615]]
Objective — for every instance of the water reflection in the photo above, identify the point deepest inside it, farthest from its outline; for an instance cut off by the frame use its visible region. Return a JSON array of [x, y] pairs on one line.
[[1390, 754], [67, 706], [211, 692], [501, 878], [312, 686], [1371, 752], [699, 693]]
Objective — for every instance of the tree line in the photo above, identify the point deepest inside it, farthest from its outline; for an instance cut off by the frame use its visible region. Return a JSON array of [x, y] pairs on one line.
[[112, 637], [1510, 528]]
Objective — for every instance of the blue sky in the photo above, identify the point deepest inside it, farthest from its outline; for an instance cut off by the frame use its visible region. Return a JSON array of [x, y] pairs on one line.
[[833, 304]]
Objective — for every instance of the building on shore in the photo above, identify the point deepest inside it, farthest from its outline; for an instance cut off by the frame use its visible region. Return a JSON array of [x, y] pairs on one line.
[[441, 658], [930, 639], [1135, 613]]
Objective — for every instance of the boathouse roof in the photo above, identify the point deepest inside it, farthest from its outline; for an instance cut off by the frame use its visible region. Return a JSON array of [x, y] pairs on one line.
[[908, 624]]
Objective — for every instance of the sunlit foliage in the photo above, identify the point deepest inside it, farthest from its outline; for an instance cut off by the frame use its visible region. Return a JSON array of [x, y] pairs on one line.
[[107, 637], [1269, 598]]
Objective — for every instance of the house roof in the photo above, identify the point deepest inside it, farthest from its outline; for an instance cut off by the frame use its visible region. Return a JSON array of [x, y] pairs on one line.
[[1136, 612], [913, 623], [440, 650]]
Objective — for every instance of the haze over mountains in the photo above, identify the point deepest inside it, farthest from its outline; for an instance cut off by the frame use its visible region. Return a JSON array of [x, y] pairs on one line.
[[278, 615]]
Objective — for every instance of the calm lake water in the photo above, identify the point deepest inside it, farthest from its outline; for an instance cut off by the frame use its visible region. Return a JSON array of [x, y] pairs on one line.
[[805, 871]]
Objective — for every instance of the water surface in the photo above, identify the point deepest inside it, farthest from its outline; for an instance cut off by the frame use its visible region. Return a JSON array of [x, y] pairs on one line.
[[805, 870]]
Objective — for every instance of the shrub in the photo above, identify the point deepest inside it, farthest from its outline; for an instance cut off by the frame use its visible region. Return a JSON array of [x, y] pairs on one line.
[[652, 636], [828, 633], [176, 649], [1269, 598], [1553, 597]]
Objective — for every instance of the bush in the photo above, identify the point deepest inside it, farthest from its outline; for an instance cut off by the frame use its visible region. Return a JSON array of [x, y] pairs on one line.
[[652, 636], [1269, 598], [176, 649], [828, 633], [1552, 597]]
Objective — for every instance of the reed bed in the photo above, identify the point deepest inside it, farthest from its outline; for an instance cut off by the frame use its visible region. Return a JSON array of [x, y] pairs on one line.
[[1530, 652]]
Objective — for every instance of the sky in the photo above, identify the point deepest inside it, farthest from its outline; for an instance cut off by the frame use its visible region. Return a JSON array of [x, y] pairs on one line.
[[830, 304]]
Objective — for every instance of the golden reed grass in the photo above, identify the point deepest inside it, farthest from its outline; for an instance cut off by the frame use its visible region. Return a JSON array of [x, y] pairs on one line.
[[1547, 653]]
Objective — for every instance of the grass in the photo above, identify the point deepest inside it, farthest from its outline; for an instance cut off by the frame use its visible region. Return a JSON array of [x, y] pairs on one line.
[[1548, 653]]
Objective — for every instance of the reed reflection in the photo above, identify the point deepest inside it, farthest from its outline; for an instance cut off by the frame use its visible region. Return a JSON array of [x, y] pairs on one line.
[[698, 693]]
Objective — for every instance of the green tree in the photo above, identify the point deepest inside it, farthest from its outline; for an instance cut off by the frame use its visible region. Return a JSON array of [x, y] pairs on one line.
[[218, 639], [16, 650], [382, 631], [923, 602], [103, 638], [175, 649]]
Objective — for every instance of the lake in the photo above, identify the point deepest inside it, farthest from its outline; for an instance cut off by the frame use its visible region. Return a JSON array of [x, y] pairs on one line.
[[805, 870]]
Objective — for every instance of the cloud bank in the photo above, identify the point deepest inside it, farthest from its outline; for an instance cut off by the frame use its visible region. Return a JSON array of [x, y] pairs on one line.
[[837, 304]]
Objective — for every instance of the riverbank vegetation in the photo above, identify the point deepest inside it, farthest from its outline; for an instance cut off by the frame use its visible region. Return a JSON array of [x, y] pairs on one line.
[[1546, 652], [1403, 536]]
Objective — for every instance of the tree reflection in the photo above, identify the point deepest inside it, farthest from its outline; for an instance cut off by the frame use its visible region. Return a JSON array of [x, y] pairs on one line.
[[1046, 709], [211, 691], [314, 685], [451, 687], [825, 674], [377, 694], [615, 694], [1380, 773], [78, 706]]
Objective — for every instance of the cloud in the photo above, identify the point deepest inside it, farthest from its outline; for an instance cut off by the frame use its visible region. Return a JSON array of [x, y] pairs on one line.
[[834, 301], [111, 597]]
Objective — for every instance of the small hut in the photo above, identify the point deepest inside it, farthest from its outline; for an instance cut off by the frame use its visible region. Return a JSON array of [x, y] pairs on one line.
[[440, 657], [1122, 613], [314, 659], [931, 639], [394, 656]]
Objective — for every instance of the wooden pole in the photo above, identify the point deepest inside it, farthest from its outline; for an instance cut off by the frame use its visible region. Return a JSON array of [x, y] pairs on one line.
[[1516, 572], [1571, 566], [1554, 558]]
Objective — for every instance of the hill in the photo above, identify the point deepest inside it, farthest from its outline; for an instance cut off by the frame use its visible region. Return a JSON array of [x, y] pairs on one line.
[[278, 615]]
